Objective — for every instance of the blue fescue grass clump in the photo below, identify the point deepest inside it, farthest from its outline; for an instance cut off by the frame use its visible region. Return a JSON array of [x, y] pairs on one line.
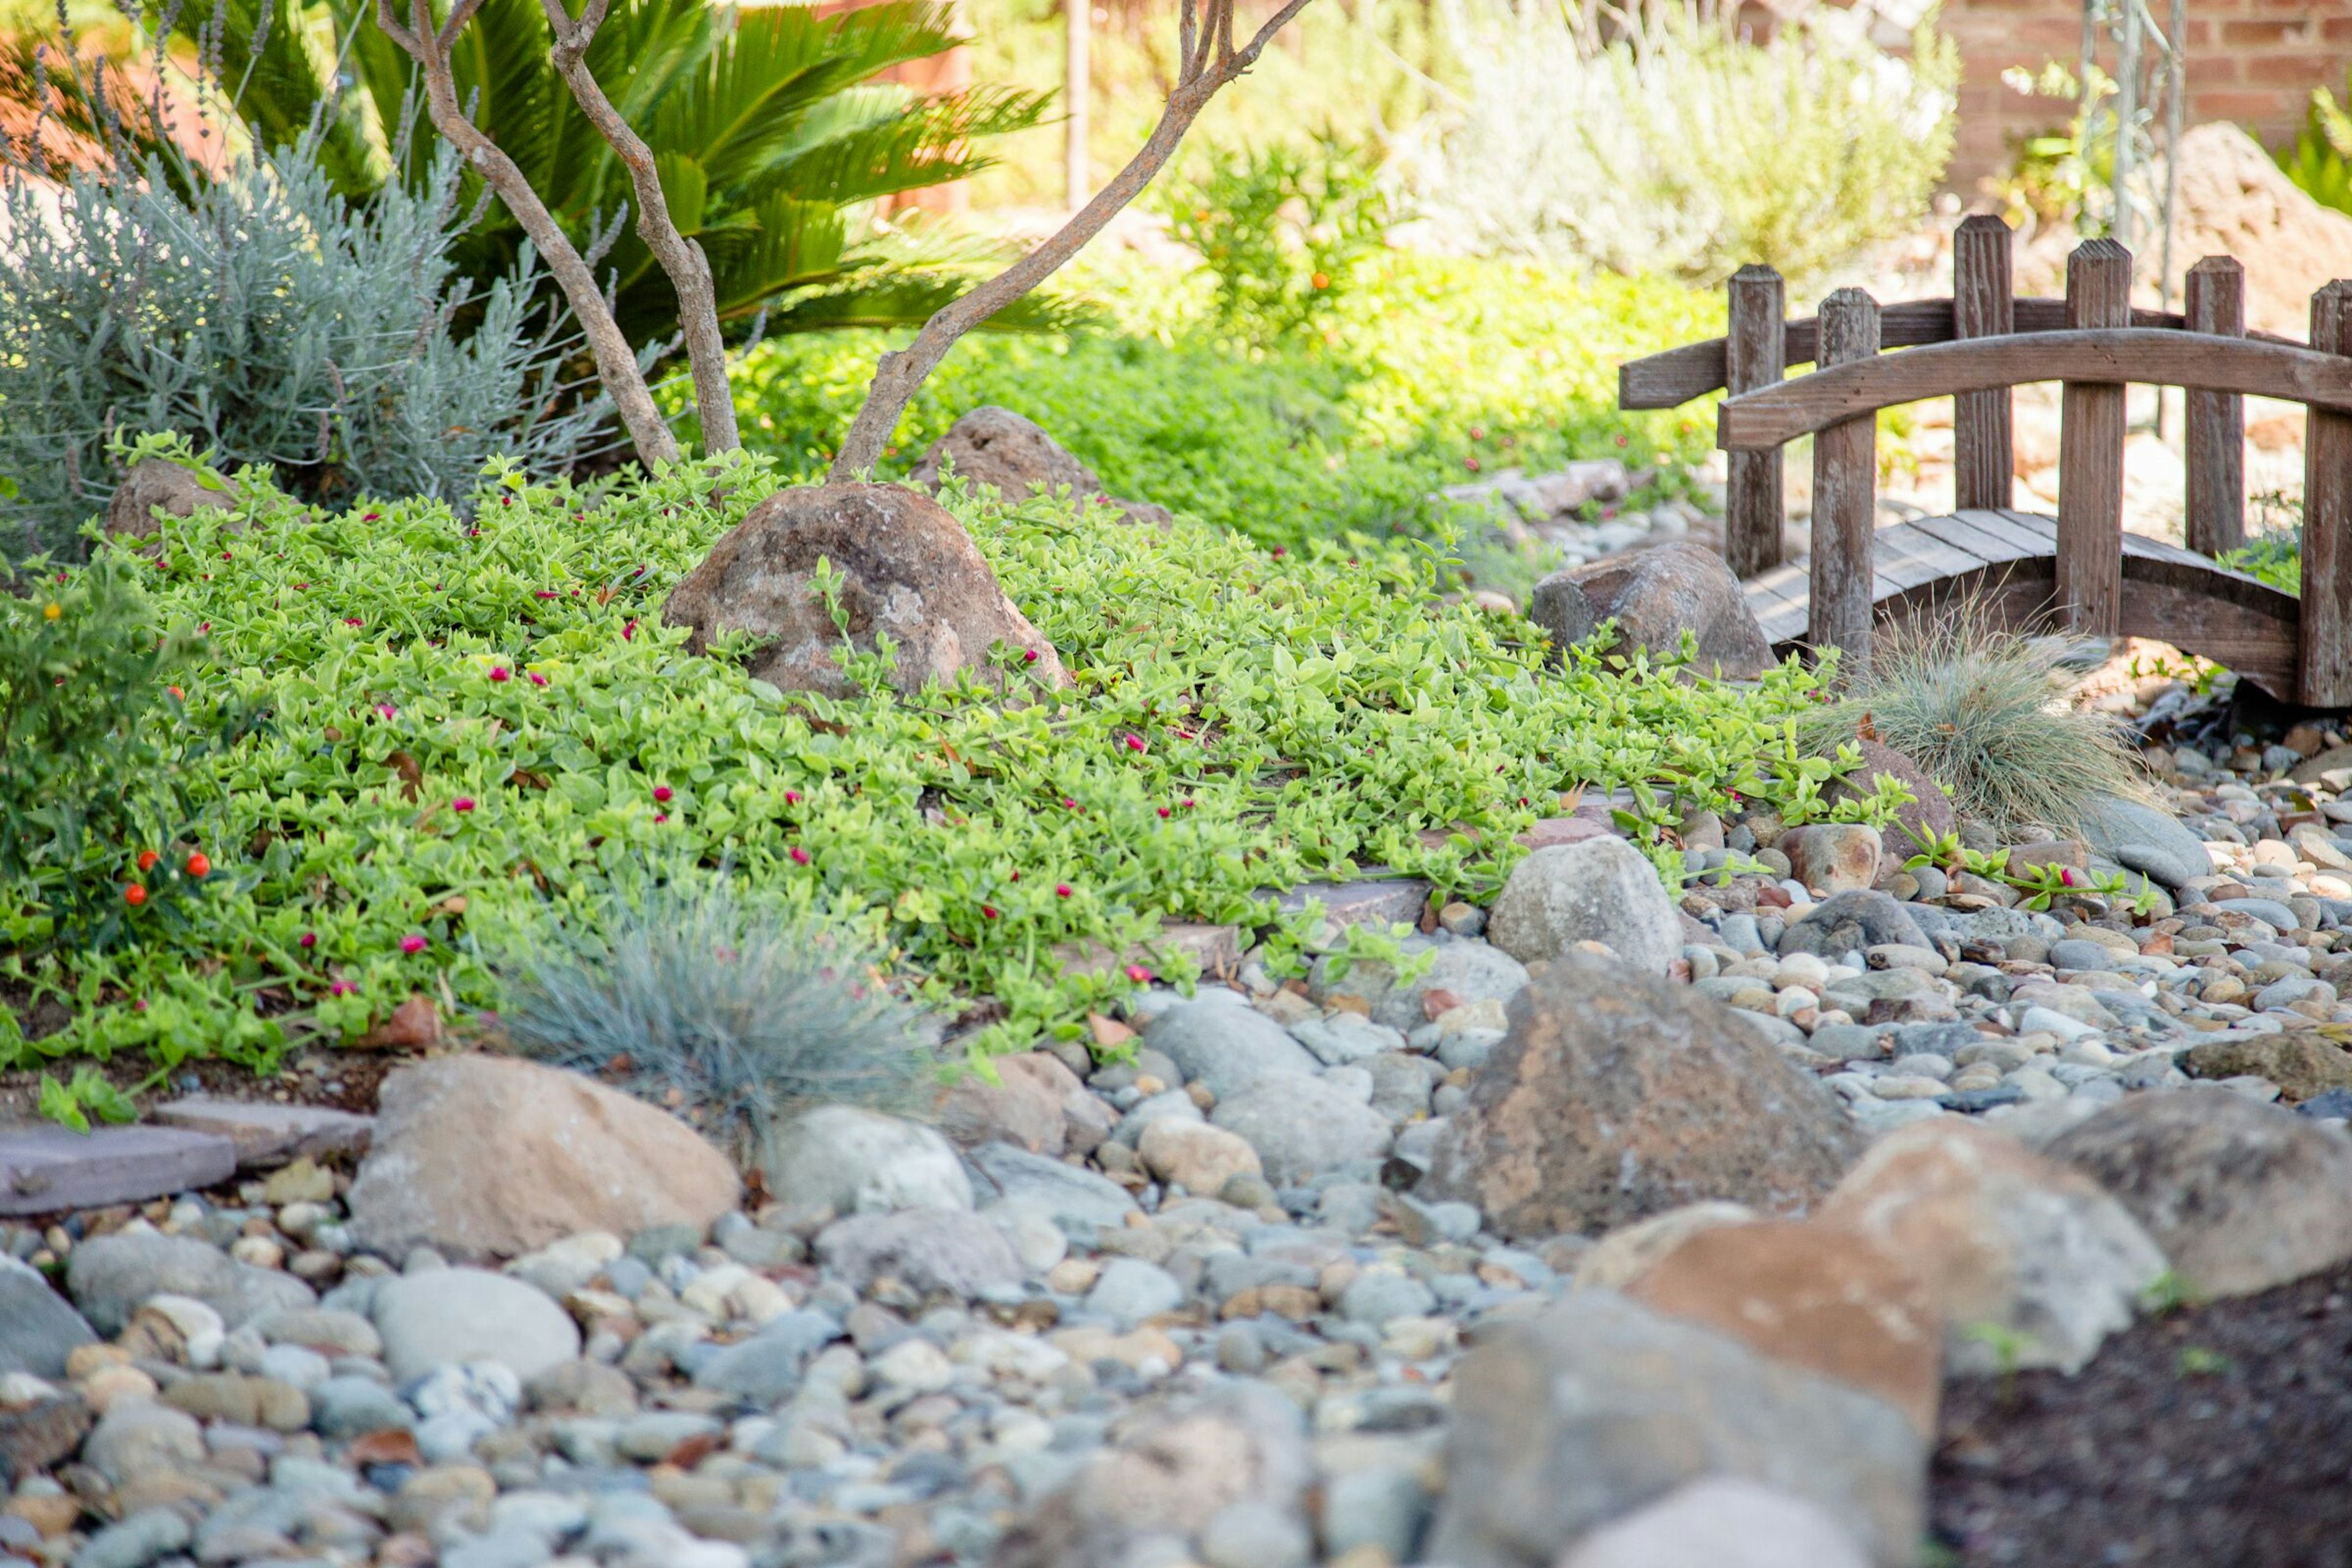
[[692, 996]]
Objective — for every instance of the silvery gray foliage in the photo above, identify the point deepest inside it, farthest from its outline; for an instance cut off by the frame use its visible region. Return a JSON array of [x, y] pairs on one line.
[[259, 313], [738, 1015]]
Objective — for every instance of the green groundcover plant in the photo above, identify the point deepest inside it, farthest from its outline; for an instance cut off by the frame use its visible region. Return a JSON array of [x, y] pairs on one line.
[[1426, 372], [469, 722]]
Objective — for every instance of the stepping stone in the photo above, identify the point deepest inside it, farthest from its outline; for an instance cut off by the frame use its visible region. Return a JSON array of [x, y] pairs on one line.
[[1386, 901], [46, 1169], [269, 1134]]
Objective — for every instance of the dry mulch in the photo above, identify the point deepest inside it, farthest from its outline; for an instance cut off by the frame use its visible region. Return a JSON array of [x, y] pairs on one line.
[[2214, 1434]]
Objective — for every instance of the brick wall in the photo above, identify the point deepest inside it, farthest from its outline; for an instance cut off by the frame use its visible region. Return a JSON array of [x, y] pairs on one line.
[[2250, 62]]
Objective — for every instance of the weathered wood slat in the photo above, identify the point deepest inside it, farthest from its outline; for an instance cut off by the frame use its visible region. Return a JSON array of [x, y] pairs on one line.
[[1965, 532], [2215, 298], [2327, 520], [2256, 367], [1846, 495], [1673, 377], [1982, 307], [1756, 355], [2090, 577]]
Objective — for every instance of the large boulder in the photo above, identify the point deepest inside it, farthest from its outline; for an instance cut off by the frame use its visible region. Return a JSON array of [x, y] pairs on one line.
[[1618, 1095], [1599, 890], [484, 1156], [997, 448], [2235, 200], [1655, 596], [154, 485], [2240, 1196], [2031, 1264], [907, 569], [1599, 1406], [1930, 813]]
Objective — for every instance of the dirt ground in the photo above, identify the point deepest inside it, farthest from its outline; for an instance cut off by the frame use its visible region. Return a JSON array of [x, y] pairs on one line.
[[2214, 1434]]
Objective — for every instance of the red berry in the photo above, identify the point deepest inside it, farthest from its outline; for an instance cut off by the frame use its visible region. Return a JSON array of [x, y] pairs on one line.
[[199, 867], [147, 858], [134, 895]]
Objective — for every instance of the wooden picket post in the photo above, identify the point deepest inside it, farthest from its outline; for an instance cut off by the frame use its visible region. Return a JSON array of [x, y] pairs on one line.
[[1755, 355], [2090, 560], [2326, 600], [1845, 494], [1982, 307], [2214, 301]]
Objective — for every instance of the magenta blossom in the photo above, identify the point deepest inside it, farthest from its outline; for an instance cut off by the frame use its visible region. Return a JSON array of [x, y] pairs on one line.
[[307, 940], [1061, 890], [353, 621], [1163, 811], [662, 793], [800, 856], [1137, 973], [463, 803], [535, 677], [988, 911], [792, 797], [500, 672], [413, 943], [660, 816], [384, 711], [1028, 655], [2065, 876], [629, 630], [1133, 741]]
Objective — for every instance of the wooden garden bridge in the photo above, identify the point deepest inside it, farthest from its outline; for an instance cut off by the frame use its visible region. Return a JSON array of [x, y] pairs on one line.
[[2079, 569]]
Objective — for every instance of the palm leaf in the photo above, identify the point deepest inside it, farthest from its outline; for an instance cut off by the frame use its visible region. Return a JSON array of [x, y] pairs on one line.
[[928, 144]]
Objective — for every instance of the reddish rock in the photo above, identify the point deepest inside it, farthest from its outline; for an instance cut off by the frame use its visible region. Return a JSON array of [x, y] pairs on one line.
[[1930, 813], [1027, 1105], [907, 570], [1655, 596], [494, 1156], [1833, 857], [997, 448], [1813, 1296], [415, 1025]]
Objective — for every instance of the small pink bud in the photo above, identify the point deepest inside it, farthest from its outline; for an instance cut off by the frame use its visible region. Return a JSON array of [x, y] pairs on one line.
[[661, 816], [1137, 973], [1134, 742], [500, 672], [341, 988], [413, 944], [988, 911], [535, 677], [463, 803], [662, 793], [384, 711], [792, 797], [1028, 655], [1163, 811], [307, 940], [629, 630], [1061, 890], [800, 856]]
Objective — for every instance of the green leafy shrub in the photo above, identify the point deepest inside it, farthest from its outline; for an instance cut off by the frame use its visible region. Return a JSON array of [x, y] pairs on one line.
[[770, 132], [1681, 149], [1280, 228], [2274, 549], [694, 997], [267, 318], [2319, 160], [90, 744], [1429, 371], [472, 725], [1982, 711]]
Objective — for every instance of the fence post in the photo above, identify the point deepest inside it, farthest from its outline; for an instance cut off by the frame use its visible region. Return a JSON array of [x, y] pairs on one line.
[[1983, 306], [1846, 495], [2327, 520], [2090, 566], [2215, 302], [1756, 354]]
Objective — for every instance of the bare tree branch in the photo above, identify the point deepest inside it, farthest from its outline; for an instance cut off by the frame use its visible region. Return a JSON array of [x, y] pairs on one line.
[[1208, 60], [682, 258], [616, 365]]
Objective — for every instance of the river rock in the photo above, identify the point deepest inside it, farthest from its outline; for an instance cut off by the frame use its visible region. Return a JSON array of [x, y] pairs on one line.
[[1199, 1158], [1224, 1045], [2031, 1263], [1624, 1255], [39, 1328], [1601, 889], [1832, 857], [1720, 1522], [1599, 1405], [1654, 595], [487, 1157], [156, 484], [2240, 1196], [1853, 922], [1300, 1126], [1929, 813], [1027, 1105], [863, 1162], [906, 569], [448, 1316], [1618, 1095], [2145, 839], [1469, 972], [928, 1249], [111, 1277], [2301, 1063]]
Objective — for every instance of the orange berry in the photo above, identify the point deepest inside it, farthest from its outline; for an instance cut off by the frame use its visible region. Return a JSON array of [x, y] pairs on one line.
[[199, 867], [134, 895], [176, 692], [147, 858]]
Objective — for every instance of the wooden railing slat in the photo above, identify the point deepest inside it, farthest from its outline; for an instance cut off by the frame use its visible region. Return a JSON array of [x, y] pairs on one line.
[[1982, 307], [1754, 356], [2327, 625], [2090, 570], [2215, 301], [1846, 496], [2255, 367]]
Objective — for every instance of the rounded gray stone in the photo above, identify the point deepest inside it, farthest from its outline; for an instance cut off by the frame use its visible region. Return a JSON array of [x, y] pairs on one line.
[[1599, 890], [39, 1328], [1301, 1125], [455, 1315], [1224, 1046]]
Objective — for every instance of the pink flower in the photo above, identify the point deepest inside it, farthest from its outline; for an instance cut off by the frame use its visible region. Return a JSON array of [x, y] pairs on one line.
[[1137, 973], [384, 711], [800, 856], [988, 911], [544, 594], [1068, 803], [413, 943], [2065, 876], [535, 677], [1188, 803], [500, 672], [1133, 742], [307, 940], [1163, 811], [1061, 890], [661, 816], [662, 793], [371, 517], [629, 630], [1028, 655], [341, 988], [792, 797], [353, 621], [463, 803], [1279, 552]]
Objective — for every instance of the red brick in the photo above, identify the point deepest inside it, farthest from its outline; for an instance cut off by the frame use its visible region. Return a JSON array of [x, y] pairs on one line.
[[2303, 70]]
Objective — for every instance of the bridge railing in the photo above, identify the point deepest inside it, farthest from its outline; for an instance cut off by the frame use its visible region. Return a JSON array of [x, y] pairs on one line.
[[1973, 348]]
